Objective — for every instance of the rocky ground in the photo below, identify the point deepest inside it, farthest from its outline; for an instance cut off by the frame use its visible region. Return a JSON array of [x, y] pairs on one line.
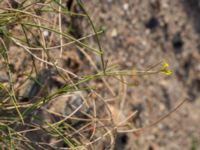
[[142, 33]]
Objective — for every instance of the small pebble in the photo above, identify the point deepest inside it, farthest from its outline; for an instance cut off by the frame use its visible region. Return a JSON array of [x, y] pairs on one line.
[[46, 33], [114, 33], [177, 43], [125, 6], [152, 23]]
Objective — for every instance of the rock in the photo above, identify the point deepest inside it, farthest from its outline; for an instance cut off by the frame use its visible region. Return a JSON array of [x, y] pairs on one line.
[[152, 23], [114, 32], [177, 43], [125, 6], [66, 104]]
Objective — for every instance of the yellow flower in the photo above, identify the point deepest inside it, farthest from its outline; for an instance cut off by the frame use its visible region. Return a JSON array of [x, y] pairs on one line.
[[165, 70]]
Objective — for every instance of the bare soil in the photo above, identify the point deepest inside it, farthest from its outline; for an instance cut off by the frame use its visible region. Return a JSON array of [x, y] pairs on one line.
[[141, 33]]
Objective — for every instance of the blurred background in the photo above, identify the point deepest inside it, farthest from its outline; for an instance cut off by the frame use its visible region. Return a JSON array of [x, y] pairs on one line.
[[141, 33]]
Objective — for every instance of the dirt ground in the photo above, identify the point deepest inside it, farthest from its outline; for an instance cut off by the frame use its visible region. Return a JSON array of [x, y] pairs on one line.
[[139, 34]]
